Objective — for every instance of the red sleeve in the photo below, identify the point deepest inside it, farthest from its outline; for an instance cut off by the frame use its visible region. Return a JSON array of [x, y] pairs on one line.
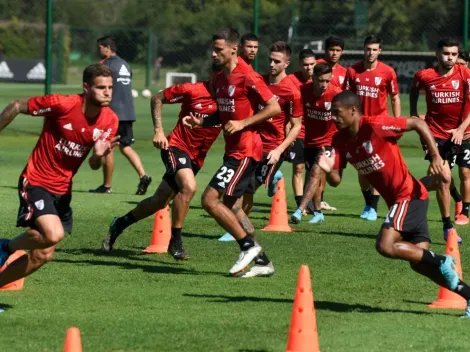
[[176, 93], [295, 105], [417, 80], [48, 105], [255, 83], [349, 80], [466, 78], [387, 127], [393, 84]]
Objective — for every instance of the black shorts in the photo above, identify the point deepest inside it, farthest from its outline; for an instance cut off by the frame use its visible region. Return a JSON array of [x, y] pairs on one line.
[[311, 155], [409, 217], [264, 173], [126, 133], [295, 153], [175, 159], [463, 158], [37, 201], [447, 150], [235, 177]]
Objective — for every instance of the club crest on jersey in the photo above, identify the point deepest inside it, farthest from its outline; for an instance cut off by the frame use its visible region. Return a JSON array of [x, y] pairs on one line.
[[368, 147], [97, 134], [455, 84], [341, 79], [39, 204], [182, 160], [327, 105], [378, 80], [231, 90]]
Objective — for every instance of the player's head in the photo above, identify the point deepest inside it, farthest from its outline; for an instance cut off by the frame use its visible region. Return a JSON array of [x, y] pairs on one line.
[[224, 45], [334, 47], [279, 58], [249, 44], [372, 48], [447, 52], [106, 46], [346, 109], [321, 76], [307, 62], [98, 84], [464, 57]]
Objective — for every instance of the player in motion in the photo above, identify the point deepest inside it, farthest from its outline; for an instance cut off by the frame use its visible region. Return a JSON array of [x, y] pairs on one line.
[[447, 88], [373, 81], [370, 145], [74, 125], [183, 154]]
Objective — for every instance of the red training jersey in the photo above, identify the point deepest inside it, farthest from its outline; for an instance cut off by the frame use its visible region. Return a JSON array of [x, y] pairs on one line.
[[65, 141], [298, 81], [373, 86], [338, 75], [319, 124], [237, 97], [376, 156], [445, 98], [272, 131], [195, 98]]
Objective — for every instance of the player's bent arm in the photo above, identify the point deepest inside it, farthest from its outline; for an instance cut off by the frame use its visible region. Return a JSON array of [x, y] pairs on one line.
[[291, 135], [421, 127], [156, 106], [271, 109], [334, 177], [211, 120], [11, 111], [396, 105], [414, 96]]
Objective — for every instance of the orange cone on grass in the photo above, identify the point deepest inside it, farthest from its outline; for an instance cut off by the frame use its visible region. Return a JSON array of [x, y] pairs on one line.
[[278, 219], [161, 232], [73, 341], [303, 335], [447, 299], [18, 284]]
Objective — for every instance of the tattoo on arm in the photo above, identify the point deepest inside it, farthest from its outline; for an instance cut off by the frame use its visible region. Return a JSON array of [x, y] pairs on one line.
[[156, 107], [11, 111]]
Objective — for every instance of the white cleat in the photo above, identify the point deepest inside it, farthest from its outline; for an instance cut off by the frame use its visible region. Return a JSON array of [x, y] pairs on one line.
[[245, 258], [326, 206], [258, 270]]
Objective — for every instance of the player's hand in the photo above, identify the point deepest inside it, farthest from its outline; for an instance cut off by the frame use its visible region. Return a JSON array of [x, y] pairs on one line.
[[325, 162], [456, 135], [234, 126], [274, 156], [437, 165], [191, 121], [159, 140], [103, 147]]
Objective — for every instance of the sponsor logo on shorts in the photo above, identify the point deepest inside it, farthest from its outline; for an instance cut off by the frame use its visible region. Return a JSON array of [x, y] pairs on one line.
[[292, 155], [39, 204], [182, 161], [221, 184]]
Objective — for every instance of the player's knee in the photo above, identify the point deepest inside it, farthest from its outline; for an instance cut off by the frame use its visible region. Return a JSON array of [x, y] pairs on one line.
[[299, 168], [384, 249], [42, 257], [208, 202], [464, 174], [189, 190], [54, 236]]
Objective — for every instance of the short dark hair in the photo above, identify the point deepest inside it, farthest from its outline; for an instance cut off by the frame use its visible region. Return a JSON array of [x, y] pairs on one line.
[[321, 69], [447, 42], [281, 47], [95, 70], [305, 53], [464, 55], [334, 41], [230, 35], [249, 37], [373, 39], [348, 99], [108, 41]]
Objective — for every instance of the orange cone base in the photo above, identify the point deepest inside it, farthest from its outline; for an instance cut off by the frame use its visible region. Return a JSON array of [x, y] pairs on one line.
[[448, 303], [13, 286], [155, 249], [278, 228]]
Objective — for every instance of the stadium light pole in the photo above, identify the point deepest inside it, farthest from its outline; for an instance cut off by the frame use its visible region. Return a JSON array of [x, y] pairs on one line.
[[465, 25], [255, 28], [48, 53]]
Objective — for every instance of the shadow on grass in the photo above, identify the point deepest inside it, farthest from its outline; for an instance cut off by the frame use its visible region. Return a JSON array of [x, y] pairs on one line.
[[10, 187], [348, 234], [5, 306], [238, 299], [244, 350]]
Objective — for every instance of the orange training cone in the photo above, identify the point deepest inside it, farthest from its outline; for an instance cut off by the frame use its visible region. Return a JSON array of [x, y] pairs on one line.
[[278, 218], [18, 284], [73, 341], [447, 299], [303, 335], [161, 232]]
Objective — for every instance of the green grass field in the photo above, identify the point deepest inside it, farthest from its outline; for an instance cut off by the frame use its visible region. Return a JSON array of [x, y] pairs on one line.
[[133, 302]]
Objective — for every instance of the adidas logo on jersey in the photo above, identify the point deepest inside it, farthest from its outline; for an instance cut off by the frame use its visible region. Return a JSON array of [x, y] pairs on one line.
[[37, 72], [5, 71], [68, 127], [123, 71]]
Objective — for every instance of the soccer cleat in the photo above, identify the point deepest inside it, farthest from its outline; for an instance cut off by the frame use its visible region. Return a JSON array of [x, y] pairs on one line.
[[245, 258], [467, 311], [310, 208], [296, 217], [143, 185], [4, 253], [317, 218], [101, 189], [272, 188], [326, 206], [458, 209], [365, 212], [258, 270], [461, 219], [226, 237], [113, 234], [447, 268], [371, 215], [176, 249], [446, 234]]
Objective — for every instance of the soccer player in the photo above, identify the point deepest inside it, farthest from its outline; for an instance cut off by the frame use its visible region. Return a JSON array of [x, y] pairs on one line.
[[238, 91], [334, 47], [248, 48], [319, 131], [373, 81], [447, 91], [183, 153], [295, 154], [74, 124], [123, 105], [370, 145]]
